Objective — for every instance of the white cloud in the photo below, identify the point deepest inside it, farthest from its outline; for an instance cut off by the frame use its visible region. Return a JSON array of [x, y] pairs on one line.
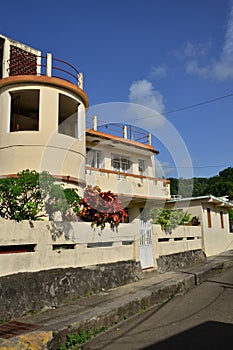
[[159, 72], [221, 68], [143, 93], [228, 44], [192, 50], [192, 67], [195, 50]]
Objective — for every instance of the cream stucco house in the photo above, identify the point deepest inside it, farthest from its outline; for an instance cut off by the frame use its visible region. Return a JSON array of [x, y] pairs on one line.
[[43, 127], [125, 166], [213, 214]]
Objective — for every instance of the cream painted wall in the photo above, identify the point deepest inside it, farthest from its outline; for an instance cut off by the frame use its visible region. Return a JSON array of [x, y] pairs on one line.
[[215, 239], [45, 149], [129, 186], [129, 151], [120, 245], [182, 239]]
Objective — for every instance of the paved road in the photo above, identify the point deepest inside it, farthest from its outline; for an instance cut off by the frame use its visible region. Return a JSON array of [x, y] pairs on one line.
[[200, 319]]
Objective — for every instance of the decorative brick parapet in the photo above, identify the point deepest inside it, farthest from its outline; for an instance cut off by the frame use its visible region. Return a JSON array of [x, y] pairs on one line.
[[22, 62]]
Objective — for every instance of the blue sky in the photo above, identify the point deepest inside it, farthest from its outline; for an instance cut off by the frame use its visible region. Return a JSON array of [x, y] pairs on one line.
[[166, 54]]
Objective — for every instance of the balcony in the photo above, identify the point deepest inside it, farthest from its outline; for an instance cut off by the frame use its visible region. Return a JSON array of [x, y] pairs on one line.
[[46, 66], [17, 59], [127, 185]]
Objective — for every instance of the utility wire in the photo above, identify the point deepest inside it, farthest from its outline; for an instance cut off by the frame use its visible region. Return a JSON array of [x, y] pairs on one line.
[[196, 167], [186, 107], [199, 104]]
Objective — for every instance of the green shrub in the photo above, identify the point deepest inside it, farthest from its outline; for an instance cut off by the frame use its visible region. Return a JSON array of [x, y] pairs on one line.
[[169, 219]]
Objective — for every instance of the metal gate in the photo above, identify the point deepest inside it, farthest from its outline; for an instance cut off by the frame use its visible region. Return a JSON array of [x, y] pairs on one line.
[[146, 245]]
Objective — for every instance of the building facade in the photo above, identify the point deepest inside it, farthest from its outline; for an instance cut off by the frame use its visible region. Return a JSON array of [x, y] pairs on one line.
[[213, 214], [43, 127], [42, 108]]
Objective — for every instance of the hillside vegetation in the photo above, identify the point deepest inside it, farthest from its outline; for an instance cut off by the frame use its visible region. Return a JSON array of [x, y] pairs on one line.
[[219, 185]]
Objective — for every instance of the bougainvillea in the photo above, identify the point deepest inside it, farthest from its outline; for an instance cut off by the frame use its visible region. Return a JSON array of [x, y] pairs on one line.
[[101, 207]]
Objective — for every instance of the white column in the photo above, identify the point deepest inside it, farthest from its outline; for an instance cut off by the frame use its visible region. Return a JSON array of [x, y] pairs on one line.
[[149, 138], [81, 132], [80, 80], [38, 62], [6, 59], [49, 64], [94, 122], [125, 131]]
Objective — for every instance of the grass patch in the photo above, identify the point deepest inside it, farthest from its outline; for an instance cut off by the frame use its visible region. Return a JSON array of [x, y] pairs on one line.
[[4, 321], [81, 337], [144, 309]]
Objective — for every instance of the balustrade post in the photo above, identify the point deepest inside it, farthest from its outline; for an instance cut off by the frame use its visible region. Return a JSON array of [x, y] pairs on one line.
[[6, 59], [125, 132], [80, 80], [94, 122], [49, 64], [149, 138]]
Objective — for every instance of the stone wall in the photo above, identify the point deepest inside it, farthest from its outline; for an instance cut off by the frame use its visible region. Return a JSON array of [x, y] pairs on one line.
[[180, 260], [27, 292]]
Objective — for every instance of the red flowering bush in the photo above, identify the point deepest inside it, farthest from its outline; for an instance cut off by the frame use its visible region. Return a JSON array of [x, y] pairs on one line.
[[101, 207]]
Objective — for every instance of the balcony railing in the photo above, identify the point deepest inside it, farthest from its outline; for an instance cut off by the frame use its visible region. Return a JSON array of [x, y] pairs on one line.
[[128, 132], [128, 184], [24, 63]]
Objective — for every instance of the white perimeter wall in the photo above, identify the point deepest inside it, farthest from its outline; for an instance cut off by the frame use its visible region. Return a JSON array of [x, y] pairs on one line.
[[90, 247]]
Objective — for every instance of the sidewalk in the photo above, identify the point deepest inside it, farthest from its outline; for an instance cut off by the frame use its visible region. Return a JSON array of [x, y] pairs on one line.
[[110, 307]]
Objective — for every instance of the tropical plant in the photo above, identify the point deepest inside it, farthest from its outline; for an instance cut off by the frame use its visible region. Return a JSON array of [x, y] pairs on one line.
[[101, 207], [168, 219], [20, 197], [33, 196]]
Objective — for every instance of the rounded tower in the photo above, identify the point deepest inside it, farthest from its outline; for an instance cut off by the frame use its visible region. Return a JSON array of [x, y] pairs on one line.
[[42, 114]]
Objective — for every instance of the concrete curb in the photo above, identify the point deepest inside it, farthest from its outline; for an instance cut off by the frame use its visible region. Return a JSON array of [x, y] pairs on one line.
[[141, 300], [107, 309], [127, 306]]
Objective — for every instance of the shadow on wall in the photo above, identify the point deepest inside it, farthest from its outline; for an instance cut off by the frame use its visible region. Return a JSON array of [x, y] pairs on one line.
[[209, 335]]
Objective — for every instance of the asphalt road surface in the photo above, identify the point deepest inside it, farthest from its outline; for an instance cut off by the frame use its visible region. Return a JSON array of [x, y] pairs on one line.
[[200, 319]]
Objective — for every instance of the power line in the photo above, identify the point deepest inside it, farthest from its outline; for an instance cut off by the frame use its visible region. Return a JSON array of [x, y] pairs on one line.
[[198, 104], [196, 167], [187, 107]]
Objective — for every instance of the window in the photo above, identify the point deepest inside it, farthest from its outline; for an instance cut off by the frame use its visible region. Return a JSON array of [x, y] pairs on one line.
[[141, 167], [120, 163], [208, 217], [68, 116], [221, 219], [94, 158], [24, 110]]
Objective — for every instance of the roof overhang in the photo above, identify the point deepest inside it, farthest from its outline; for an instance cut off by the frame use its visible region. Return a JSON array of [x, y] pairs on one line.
[[205, 199], [94, 134]]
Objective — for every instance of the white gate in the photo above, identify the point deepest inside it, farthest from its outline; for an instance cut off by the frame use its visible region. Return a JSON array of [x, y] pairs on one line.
[[146, 245]]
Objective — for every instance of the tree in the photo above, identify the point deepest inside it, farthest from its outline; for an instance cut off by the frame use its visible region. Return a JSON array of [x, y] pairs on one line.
[[219, 185], [33, 196], [20, 198]]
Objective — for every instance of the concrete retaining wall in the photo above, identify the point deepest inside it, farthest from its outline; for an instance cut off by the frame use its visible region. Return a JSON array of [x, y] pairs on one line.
[[23, 293], [180, 260]]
